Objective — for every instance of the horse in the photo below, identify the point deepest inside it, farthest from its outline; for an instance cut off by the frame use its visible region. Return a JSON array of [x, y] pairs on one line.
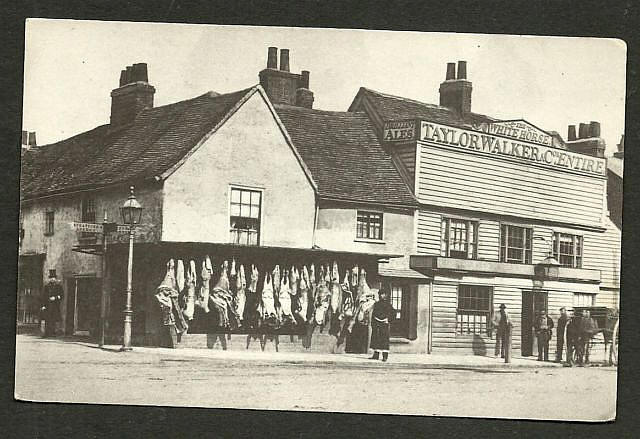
[[578, 333]]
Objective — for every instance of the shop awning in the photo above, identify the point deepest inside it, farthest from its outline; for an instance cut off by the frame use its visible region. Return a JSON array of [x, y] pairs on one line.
[[266, 251]]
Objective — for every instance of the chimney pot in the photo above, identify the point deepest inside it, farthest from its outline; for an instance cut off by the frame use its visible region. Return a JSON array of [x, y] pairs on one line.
[[462, 70], [272, 58], [451, 71], [32, 138], [304, 79], [594, 129], [123, 78], [571, 136], [140, 72], [583, 131], [25, 137], [284, 60]]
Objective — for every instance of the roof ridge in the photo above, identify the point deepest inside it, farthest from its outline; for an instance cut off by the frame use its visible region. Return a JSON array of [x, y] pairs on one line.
[[317, 110], [440, 107]]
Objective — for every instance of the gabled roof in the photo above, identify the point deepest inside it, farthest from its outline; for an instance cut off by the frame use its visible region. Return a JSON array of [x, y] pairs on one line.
[[390, 107], [157, 139], [345, 156]]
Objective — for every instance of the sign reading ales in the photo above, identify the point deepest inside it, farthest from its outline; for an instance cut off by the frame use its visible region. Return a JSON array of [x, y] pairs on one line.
[[399, 131], [505, 147]]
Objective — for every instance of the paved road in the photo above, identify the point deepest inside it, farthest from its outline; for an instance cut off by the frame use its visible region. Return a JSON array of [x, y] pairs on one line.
[[53, 370]]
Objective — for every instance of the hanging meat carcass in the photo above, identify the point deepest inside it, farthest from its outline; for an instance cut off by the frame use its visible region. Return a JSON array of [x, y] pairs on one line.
[[180, 275], [354, 278], [202, 301], [303, 295], [347, 310], [284, 298], [169, 288], [269, 314], [365, 301], [223, 300], [190, 295], [241, 297], [336, 291], [322, 299], [253, 306]]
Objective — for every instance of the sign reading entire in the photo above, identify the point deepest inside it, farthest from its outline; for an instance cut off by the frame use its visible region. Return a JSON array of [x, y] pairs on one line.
[[399, 131], [518, 130], [507, 147]]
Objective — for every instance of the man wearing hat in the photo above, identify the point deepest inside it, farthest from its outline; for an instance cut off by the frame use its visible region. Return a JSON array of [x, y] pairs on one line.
[[543, 326], [501, 321], [562, 324], [50, 306]]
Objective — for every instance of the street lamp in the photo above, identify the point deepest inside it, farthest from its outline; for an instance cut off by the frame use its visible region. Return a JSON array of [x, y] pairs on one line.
[[548, 268], [131, 212]]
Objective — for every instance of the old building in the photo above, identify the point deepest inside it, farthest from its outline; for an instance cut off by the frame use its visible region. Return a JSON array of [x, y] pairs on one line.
[[496, 199], [225, 175], [455, 212]]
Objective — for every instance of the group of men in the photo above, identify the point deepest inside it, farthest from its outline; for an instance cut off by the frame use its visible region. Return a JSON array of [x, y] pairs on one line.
[[577, 335]]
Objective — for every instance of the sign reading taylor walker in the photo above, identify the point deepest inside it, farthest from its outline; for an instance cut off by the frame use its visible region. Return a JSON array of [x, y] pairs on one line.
[[494, 145]]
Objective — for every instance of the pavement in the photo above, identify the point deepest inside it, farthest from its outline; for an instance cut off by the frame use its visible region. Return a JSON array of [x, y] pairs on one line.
[[402, 360], [78, 371]]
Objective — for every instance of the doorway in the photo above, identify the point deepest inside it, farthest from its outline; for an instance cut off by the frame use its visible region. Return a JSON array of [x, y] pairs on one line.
[[30, 285], [532, 302], [83, 305]]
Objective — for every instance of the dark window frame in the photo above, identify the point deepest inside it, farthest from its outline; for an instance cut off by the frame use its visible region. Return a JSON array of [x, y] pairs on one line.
[[369, 225], [466, 236], [49, 223], [571, 257], [244, 224], [510, 251], [474, 310]]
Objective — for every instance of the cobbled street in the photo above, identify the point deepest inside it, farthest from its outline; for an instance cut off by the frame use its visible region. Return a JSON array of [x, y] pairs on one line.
[[75, 371]]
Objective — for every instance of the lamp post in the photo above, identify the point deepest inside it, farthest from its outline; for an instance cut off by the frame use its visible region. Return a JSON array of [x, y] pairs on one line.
[[548, 268], [131, 214]]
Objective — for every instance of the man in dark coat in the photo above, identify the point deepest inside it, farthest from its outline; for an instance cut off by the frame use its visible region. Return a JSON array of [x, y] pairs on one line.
[[562, 324], [501, 322], [381, 317], [543, 327], [50, 306]]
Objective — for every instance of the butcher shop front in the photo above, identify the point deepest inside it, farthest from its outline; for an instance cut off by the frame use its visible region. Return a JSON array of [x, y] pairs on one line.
[[230, 296]]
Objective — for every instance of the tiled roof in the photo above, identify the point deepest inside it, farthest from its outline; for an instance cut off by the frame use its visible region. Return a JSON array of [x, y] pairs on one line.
[[344, 155], [153, 143], [391, 107]]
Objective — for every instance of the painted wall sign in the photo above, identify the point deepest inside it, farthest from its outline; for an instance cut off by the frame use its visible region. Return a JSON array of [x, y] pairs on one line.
[[518, 130], [507, 147], [399, 131]]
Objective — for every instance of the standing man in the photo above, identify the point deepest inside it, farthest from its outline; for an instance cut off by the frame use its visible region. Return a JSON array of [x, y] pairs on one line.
[[381, 317], [543, 328], [501, 321], [50, 306], [562, 324]]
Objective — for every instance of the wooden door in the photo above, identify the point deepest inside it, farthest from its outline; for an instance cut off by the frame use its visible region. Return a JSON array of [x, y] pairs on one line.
[[532, 302]]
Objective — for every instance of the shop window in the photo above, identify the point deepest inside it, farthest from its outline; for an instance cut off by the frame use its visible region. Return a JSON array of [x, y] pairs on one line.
[[49, 223], [459, 238], [245, 212], [396, 300], [474, 309], [404, 301], [567, 249], [369, 225], [582, 299], [515, 244]]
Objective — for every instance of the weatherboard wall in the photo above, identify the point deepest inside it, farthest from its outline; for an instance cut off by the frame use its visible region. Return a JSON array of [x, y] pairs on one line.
[[467, 180]]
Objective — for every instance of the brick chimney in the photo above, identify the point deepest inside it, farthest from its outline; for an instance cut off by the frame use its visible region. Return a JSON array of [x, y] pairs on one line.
[[133, 95], [455, 91], [282, 86], [619, 154], [588, 140]]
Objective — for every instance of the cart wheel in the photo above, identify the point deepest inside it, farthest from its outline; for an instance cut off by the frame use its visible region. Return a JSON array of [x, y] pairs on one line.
[[276, 341], [614, 344]]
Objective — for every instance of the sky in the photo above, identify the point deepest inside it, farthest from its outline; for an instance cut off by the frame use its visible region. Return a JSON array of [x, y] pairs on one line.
[[72, 66]]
